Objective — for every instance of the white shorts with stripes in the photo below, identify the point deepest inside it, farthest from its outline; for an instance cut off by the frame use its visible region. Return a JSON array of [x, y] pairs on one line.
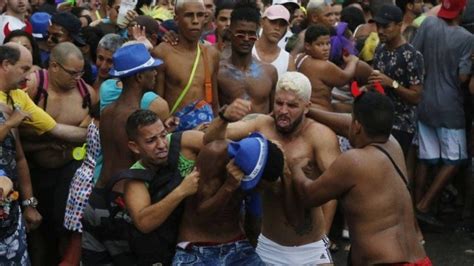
[[310, 254]]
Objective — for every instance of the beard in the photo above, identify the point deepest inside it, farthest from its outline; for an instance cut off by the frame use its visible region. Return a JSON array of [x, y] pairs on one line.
[[291, 127]]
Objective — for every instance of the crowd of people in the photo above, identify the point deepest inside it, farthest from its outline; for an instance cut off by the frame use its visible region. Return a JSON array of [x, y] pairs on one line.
[[230, 132]]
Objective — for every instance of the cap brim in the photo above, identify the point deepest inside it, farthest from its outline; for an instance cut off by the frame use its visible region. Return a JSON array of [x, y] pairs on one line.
[[120, 74], [37, 35], [277, 17], [78, 40], [294, 5], [380, 20], [448, 14], [251, 181]]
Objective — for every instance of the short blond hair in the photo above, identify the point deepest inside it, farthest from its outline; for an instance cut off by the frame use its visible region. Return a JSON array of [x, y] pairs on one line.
[[295, 82]]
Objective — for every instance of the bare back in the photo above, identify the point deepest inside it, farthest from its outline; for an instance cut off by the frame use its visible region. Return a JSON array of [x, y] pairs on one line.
[[379, 210], [174, 74], [206, 218], [320, 92], [257, 84], [113, 139]]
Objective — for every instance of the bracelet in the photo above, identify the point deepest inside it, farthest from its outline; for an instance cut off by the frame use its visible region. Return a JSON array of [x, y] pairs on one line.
[[221, 114]]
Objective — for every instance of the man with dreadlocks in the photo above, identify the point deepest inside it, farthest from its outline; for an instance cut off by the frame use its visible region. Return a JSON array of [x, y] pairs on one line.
[[241, 75], [370, 182]]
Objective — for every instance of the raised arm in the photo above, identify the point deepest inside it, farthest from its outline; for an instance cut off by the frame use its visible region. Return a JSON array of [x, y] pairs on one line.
[[332, 75], [338, 122], [223, 127]]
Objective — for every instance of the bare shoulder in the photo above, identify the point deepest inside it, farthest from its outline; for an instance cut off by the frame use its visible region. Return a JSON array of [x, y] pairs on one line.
[[213, 52], [317, 129], [93, 93], [161, 50], [269, 70]]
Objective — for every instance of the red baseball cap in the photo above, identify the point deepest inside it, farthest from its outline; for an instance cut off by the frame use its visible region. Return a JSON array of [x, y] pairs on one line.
[[451, 8]]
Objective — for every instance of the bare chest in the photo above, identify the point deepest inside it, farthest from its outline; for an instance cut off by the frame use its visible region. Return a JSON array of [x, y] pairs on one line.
[[254, 84], [65, 108]]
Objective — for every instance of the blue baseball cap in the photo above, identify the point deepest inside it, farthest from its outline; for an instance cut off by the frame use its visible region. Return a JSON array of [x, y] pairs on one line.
[[258, 158]]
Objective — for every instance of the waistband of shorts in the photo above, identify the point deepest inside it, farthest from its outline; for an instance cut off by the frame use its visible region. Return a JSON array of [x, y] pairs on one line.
[[189, 245], [324, 241], [423, 262]]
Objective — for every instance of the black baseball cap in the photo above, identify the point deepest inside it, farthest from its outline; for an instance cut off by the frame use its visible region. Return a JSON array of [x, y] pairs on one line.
[[388, 13], [72, 24]]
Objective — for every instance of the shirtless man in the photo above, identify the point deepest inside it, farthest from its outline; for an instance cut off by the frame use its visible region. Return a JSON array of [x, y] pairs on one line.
[[137, 78], [219, 199], [242, 75], [275, 23], [323, 74], [179, 59], [68, 99], [381, 224], [288, 239]]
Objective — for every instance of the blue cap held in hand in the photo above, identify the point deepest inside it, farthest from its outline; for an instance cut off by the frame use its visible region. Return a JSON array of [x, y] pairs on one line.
[[256, 157]]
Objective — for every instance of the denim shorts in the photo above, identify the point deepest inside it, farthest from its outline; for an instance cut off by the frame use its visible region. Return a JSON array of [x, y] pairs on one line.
[[235, 253]]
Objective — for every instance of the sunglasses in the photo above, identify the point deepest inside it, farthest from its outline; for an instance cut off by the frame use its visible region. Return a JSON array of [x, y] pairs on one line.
[[74, 74], [242, 36]]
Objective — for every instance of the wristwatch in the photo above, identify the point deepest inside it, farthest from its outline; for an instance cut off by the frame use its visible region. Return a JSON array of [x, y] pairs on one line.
[[221, 114], [395, 84], [31, 202]]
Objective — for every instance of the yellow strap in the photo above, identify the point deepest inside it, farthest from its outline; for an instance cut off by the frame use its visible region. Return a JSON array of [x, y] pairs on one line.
[[190, 81]]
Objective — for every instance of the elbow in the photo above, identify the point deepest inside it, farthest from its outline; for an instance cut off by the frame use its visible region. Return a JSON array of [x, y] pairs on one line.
[[143, 226]]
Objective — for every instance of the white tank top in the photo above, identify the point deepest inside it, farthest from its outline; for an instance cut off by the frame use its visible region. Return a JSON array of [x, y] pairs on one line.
[[280, 63]]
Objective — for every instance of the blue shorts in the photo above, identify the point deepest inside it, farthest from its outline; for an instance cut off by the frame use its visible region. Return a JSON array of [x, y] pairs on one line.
[[235, 253]]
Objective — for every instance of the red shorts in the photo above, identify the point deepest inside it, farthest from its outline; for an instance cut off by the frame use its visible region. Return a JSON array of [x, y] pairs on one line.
[[423, 262]]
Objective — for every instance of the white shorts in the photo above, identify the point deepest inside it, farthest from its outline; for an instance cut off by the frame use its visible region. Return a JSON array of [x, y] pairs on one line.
[[272, 253], [447, 144]]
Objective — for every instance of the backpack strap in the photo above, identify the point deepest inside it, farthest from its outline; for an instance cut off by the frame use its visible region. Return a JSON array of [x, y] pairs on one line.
[[400, 173], [174, 150], [207, 75], [41, 89], [86, 96], [131, 174]]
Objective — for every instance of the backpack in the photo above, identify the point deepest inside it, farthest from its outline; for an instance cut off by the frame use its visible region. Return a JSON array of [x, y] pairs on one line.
[[42, 90], [158, 246]]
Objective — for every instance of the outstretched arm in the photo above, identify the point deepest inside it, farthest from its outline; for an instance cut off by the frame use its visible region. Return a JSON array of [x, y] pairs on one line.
[[332, 184], [338, 122]]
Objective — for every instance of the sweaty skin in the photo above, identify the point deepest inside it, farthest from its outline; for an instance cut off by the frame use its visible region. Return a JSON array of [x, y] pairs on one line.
[[256, 84], [381, 224], [217, 201], [301, 143], [175, 72]]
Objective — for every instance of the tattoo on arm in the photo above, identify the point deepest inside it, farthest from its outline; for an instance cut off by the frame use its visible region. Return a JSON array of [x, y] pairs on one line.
[[250, 117]]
